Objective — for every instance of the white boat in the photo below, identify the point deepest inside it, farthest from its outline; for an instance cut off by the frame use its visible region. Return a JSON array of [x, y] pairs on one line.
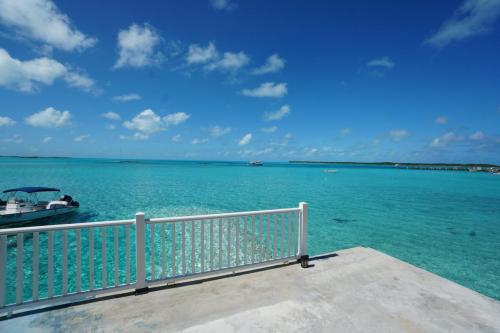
[[22, 205], [256, 163], [330, 171]]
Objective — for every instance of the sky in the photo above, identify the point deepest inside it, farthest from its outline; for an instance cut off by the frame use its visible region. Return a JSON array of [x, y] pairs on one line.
[[410, 81]]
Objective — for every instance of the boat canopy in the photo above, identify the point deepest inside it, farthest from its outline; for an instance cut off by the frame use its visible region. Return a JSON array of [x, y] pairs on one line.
[[33, 189]]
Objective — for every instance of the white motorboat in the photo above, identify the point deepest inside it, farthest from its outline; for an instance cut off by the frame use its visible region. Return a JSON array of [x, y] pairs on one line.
[[22, 205], [256, 163]]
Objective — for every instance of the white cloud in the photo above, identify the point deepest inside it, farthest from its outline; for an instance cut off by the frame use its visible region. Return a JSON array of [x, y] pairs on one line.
[[127, 98], [201, 55], [474, 17], [111, 116], [28, 75], [197, 141], [48, 118], [111, 127], [441, 120], [278, 114], [16, 138], [176, 118], [41, 20], [345, 131], [229, 62], [137, 47], [445, 139], [399, 134], [245, 139], [223, 4], [267, 89], [176, 138], [381, 62], [6, 121], [271, 129], [136, 137], [47, 139], [477, 136], [217, 131], [274, 63], [81, 138], [147, 122]]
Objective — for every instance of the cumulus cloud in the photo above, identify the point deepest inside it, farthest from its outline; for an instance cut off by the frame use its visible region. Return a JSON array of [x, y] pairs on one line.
[[217, 131], [227, 5], [16, 138], [81, 138], [229, 62], [197, 141], [176, 138], [267, 89], [201, 55], [137, 47], [477, 136], [47, 139], [111, 116], [399, 134], [441, 120], [6, 121], [49, 118], [42, 21], [245, 139], [148, 122], [274, 63], [271, 129], [445, 139], [472, 18], [345, 131], [29, 75], [111, 127], [176, 118], [278, 114], [127, 98], [381, 62], [135, 137]]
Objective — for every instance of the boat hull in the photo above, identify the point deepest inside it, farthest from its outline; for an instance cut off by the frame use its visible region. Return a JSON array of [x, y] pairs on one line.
[[30, 216]]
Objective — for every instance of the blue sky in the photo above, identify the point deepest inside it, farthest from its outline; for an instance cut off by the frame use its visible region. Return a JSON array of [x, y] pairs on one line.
[[415, 81]]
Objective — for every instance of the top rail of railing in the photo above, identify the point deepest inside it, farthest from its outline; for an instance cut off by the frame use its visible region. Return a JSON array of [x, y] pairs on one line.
[[13, 231]]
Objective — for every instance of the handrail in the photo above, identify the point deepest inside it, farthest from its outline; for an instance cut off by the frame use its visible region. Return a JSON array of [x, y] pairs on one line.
[[12, 231], [221, 215]]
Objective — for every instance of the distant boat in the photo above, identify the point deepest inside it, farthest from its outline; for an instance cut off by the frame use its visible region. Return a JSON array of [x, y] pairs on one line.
[[330, 171], [21, 207], [255, 163]]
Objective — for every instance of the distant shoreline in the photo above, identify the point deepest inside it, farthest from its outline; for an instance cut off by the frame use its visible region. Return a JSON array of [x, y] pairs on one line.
[[471, 165]]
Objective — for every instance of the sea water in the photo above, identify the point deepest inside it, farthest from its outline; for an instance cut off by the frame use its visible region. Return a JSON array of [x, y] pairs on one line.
[[447, 222]]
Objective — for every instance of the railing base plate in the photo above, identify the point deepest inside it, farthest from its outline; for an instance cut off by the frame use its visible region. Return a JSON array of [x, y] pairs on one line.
[[141, 291]]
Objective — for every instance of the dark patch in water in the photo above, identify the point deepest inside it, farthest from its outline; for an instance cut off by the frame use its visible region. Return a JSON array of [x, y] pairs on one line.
[[342, 221], [452, 231], [472, 233]]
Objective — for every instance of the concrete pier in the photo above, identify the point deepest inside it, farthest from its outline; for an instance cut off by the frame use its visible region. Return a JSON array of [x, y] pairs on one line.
[[355, 290]]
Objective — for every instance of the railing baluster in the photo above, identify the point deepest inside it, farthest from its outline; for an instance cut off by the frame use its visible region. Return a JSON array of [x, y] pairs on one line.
[[202, 244], [288, 233], [127, 250], [91, 258], [163, 272], [174, 269], [282, 236], [104, 260], [268, 239], [3, 262], [245, 239], [253, 239], [50, 264], [183, 248], [152, 252], [229, 221], [220, 243], [34, 288], [19, 274], [275, 237], [211, 245], [65, 263], [192, 247], [117, 264], [295, 228], [78, 261], [237, 254]]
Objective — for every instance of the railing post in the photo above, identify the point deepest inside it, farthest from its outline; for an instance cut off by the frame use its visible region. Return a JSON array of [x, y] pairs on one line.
[[140, 254], [304, 257]]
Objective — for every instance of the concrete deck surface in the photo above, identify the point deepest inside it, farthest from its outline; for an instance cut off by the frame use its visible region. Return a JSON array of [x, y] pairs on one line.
[[360, 290]]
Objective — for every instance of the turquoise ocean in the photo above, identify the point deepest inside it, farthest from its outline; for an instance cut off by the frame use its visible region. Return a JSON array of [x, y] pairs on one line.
[[447, 222]]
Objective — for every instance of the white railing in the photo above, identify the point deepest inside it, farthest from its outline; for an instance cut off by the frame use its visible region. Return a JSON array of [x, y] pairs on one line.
[[47, 264]]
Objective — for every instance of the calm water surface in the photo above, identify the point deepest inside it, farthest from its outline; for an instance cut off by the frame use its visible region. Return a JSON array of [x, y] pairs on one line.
[[443, 221]]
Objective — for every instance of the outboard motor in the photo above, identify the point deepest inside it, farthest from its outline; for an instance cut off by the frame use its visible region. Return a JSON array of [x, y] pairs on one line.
[[70, 201]]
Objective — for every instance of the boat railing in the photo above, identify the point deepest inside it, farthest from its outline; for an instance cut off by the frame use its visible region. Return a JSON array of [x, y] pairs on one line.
[[48, 265]]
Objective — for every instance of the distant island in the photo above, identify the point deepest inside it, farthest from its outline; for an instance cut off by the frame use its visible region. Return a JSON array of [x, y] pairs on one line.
[[471, 167]]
